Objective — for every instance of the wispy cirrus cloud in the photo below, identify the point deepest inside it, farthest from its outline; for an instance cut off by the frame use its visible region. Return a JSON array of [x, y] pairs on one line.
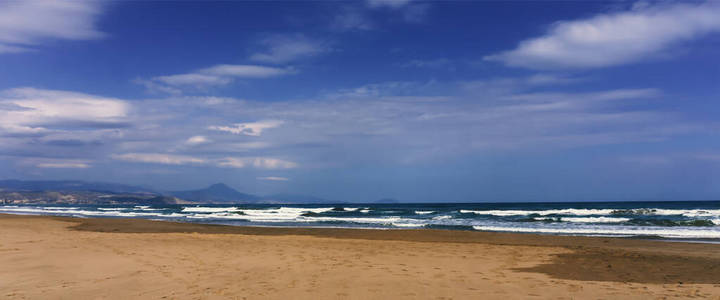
[[53, 163], [217, 75], [286, 48], [257, 162], [403, 119], [223, 162], [614, 38], [197, 140], [37, 111], [24, 25], [64, 165], [251, 129], [159, 158], [273, 178]]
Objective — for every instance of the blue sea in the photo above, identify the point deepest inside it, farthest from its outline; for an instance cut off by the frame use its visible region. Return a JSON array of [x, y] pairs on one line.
[[686, 220]]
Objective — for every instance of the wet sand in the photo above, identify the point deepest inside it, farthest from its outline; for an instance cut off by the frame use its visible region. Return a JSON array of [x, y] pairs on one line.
[[45, 257]]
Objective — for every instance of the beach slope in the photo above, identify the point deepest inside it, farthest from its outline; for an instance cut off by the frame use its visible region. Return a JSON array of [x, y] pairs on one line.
[[65, 258]]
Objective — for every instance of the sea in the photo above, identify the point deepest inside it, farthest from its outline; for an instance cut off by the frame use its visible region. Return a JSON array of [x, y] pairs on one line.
[[679, 220]]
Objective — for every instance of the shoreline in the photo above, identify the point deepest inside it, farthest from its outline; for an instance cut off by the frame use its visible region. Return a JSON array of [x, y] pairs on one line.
[[652, 266], [323, 228], [696, 223], [679, 249]]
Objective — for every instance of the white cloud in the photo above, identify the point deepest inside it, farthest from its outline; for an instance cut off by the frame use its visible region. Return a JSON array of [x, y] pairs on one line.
[[383, 123], [197, 140], [252, 129], [514, 85], [272, 163], [273, 178], [285, 48], [225, 162], [193, 79], [39, 111], [159, 158], [53, 163], [587, 98], [385, 89], [212, 76], [246, 71], [28, 23], [614, 38], [257, 162], [63, 165]]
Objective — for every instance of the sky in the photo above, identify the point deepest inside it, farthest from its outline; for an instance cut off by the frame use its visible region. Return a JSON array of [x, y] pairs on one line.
[[440, 101]]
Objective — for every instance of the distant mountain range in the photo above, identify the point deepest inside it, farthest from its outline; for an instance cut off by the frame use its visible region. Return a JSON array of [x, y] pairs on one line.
[[71, 185], [216, 193], [221, 193], [82, 192]]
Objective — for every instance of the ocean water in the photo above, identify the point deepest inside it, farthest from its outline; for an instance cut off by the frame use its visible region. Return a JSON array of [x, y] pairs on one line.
[[687, 220]]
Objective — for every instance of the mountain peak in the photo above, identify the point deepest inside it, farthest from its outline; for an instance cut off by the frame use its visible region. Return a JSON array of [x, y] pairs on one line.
[[220, 187], [216, 193]]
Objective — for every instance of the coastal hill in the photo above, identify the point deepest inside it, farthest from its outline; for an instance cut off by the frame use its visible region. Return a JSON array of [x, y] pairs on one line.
[[80, 192], [71, 185], [91, 193], [217, 193], [387, 201], [220, 193]]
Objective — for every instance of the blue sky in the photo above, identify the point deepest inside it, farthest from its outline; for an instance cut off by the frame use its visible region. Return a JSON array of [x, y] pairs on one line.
[[356, 101]]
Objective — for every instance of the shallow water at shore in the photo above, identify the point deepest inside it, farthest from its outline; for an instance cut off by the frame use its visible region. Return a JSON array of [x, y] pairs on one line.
[[696, 220]]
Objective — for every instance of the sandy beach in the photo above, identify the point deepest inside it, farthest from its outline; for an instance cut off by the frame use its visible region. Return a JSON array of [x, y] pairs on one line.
[[65, 258]]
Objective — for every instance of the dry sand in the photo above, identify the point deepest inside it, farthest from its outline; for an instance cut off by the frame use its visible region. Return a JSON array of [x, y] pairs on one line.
[[65, 258]]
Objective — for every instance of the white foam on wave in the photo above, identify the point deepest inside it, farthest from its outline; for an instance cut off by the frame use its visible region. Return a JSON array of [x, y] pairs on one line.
[[111, 208], [365, 211], [293, 214], [74, 211], [201, 209], [35, 210], [639, 231], [687, 212], [587, 219], [567, 211], [715, 221], [146, 207], [408, 225], [219, 215], [282, 214], [384, 220], [668, 212], [424, 212], [59, 208], [176, 215], [442, 217], [590, 212]]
